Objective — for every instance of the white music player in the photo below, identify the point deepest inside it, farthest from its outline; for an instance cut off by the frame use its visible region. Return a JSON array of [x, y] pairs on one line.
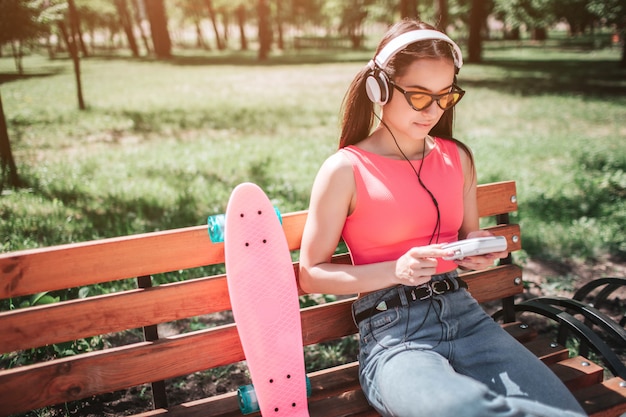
[[475, 246]]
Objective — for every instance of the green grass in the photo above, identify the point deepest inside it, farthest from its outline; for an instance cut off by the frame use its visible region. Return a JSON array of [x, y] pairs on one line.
[[162, 144]]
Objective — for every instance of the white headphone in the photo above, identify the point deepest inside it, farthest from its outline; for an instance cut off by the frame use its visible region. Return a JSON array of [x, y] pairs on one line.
[[377, 82]]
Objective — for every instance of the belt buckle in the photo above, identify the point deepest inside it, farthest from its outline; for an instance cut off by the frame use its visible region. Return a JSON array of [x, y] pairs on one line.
[[439, 292], [429, 292]]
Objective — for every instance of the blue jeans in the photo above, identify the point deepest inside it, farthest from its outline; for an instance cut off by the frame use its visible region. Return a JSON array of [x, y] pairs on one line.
[[444, 356]]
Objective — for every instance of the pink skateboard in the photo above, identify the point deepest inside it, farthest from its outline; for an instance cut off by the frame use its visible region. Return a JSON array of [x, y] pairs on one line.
[[265, 304]]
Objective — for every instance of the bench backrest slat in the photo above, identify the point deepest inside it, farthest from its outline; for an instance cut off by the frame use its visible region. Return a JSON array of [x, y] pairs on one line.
[[495, 283], [109, 370], [21, 329], [81, 264], [497, 198]]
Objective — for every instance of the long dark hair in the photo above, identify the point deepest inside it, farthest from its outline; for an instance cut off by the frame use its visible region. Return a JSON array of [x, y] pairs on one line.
[[358, 110]]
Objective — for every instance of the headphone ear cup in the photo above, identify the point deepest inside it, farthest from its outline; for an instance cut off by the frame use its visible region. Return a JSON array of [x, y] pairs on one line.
[[377, 87]]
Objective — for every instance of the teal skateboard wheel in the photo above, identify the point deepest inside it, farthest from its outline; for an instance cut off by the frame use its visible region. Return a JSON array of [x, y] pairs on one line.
[[308, 387], [248, 402], [216, 225]]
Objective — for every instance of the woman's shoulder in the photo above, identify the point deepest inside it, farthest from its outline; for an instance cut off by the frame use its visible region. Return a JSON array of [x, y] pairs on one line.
[[450, 143], [336, 165], [447, 141], [462, 153]]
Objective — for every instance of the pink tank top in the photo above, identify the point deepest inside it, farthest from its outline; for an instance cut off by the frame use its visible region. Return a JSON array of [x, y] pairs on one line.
[[394, 213]]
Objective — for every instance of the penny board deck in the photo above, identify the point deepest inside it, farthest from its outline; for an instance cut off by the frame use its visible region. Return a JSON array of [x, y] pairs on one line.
[[264, 298]]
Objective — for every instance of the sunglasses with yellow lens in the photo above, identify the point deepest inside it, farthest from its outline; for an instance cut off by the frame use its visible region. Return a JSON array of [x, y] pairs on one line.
[[421, 100]]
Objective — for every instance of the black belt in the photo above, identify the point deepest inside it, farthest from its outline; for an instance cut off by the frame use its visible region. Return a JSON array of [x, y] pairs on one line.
[[419, 293]]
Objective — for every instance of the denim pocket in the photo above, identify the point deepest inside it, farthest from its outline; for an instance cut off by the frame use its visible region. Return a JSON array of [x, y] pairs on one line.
[[374, 328]]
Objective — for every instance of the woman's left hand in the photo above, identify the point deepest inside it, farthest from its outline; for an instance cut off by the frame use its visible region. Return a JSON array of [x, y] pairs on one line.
[[480, 261]]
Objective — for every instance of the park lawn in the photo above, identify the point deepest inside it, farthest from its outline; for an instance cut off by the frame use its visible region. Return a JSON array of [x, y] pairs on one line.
[[162, 144]]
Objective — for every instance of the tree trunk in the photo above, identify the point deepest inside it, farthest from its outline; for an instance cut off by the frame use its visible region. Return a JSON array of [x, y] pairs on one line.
[[443, 14], [213, 17], [137, 16], [49, 46], [158, 28], [476, 24], [225, 24], [9, 169], [279, 25], [73, 48], [241, 21], [200, 43], [409, 9], [539, 34], [75, 29], [79, 34], [622, 63], [18, 55], [265, 30], [127, 24]]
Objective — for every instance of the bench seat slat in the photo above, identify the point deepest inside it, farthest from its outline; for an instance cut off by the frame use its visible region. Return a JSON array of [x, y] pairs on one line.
[[578, 372], [547, 350], [520, 331], [607, 399]]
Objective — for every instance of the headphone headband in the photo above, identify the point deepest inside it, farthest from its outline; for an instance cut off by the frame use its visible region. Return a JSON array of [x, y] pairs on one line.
[[396, 44]]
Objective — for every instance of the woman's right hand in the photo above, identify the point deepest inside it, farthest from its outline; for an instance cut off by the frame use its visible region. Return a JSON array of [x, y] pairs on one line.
[[419, 264]]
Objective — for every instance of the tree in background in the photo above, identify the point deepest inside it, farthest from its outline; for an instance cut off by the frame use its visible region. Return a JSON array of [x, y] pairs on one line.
[[221, 45], [575, 13], [127, 23], [19, 23], [477, 18], [352, 21], [193, 10], [8, 169], [73, 44], [614, 11], [279, 23], [348, 19], [409, 9], [241, 21], [265, 29], [137, 13], [158, 28], [442, 10]]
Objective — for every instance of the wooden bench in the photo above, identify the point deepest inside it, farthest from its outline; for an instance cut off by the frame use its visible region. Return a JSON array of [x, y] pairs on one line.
[[335, 391]]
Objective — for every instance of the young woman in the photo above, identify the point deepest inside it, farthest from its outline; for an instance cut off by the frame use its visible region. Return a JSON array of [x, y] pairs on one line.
[[397, 190]]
